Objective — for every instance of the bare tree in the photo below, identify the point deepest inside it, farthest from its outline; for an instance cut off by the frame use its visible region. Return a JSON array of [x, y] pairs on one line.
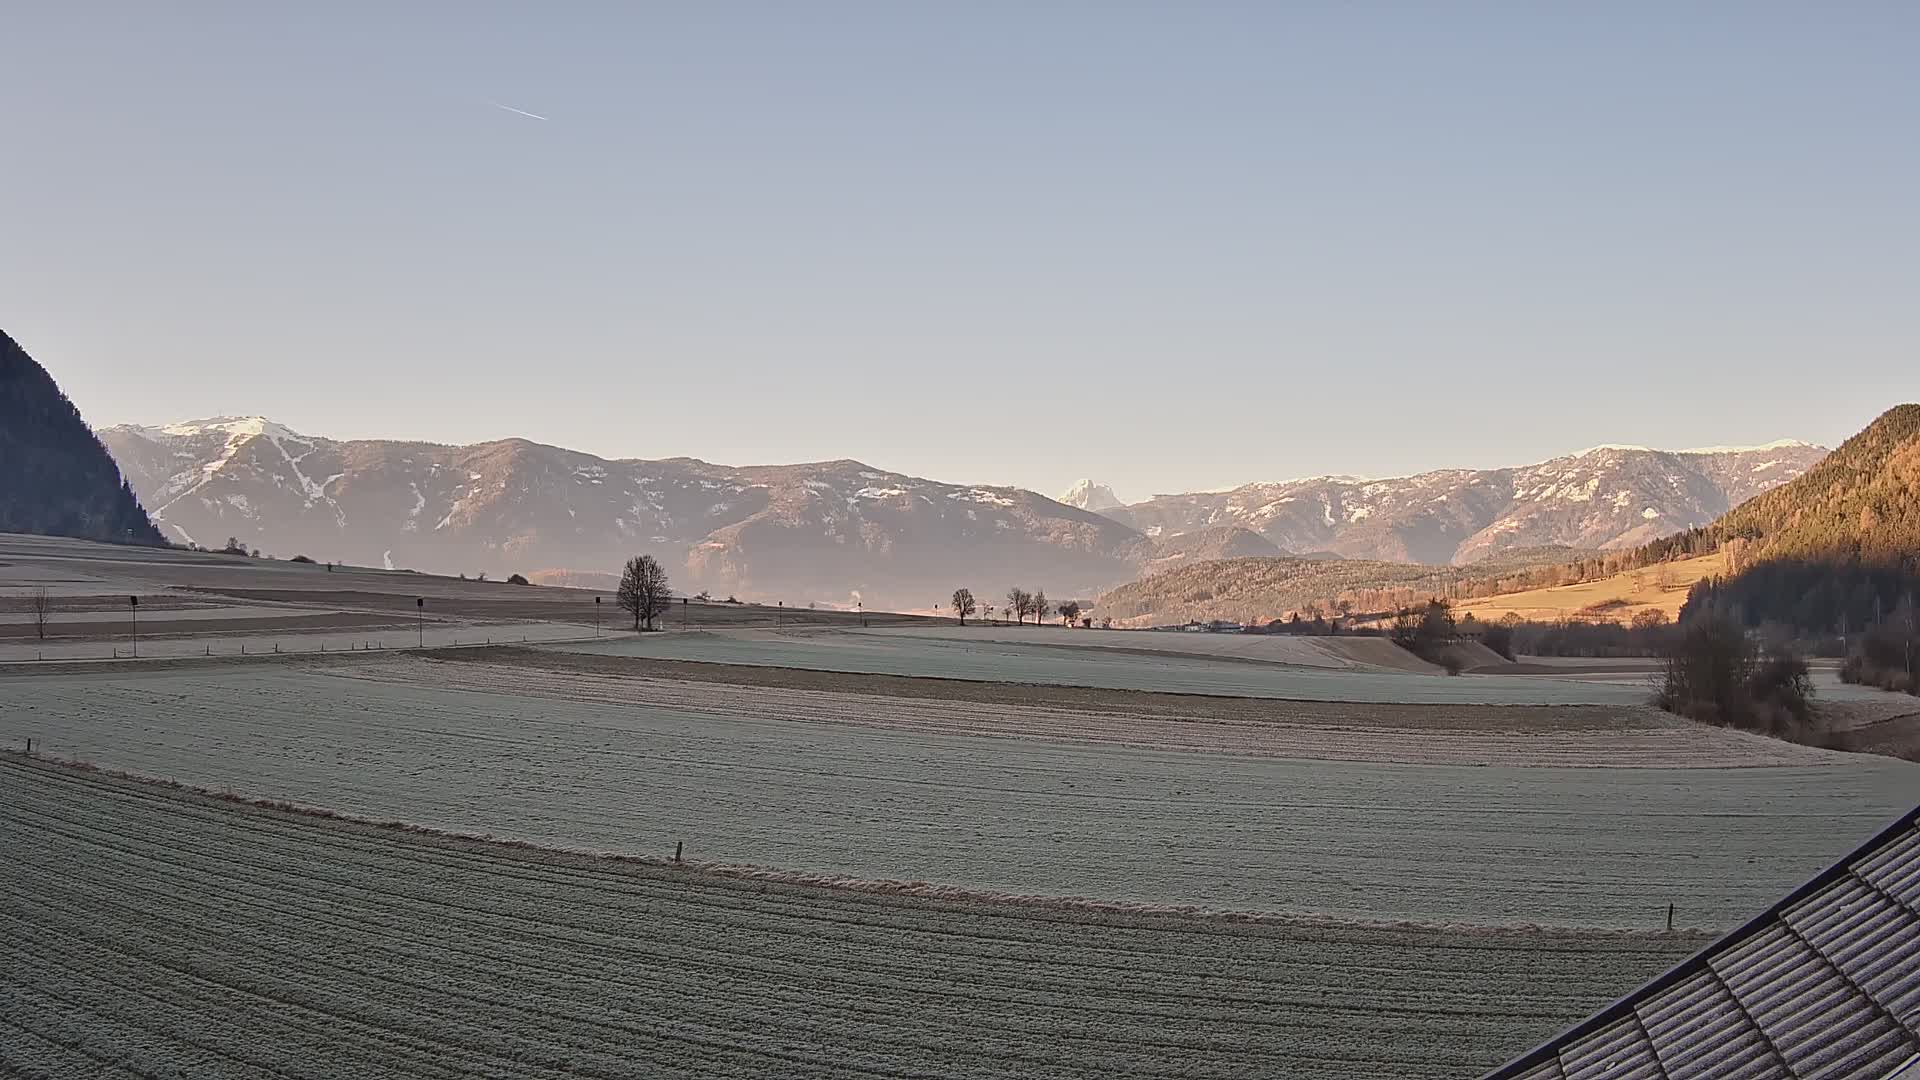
[[1648, 619], [1018, 602], [1037, 603], [643, 590], [963, 604], [1069, 611], [42, 607], [987, 612]]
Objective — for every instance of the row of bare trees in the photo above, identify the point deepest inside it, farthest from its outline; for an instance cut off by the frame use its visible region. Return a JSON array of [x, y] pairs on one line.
[[1020, 604]]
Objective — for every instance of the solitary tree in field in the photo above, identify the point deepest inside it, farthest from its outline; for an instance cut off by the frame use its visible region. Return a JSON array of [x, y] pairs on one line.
[[42, 607], [643, 590], [963, 604], [1017, 603], [1069, 611], [1038, 605]]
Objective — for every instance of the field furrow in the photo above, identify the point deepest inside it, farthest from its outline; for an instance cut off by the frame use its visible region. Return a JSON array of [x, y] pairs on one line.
[[150, 930]]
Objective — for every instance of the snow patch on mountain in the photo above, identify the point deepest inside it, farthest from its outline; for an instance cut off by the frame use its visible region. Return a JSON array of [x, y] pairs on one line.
[[1777, 444]]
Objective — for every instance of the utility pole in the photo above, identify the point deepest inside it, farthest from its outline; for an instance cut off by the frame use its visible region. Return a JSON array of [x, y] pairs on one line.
[[133, 605], [420, 618], [596, 616]]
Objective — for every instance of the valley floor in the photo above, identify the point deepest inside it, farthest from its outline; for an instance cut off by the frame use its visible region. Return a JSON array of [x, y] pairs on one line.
[[922, 852]]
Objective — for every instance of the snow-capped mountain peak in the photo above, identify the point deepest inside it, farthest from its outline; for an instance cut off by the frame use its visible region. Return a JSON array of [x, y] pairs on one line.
[[233, 427], [1604, 497], [776, 531], [1088, 495]]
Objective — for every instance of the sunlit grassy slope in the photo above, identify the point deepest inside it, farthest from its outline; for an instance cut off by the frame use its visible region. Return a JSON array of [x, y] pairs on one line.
[[1614, 599]]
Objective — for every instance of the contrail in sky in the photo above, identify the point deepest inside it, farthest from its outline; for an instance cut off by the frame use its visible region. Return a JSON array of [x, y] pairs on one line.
[[522, 112]]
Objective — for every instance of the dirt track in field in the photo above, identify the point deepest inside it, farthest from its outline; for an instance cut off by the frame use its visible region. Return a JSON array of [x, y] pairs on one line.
[[152, 932]]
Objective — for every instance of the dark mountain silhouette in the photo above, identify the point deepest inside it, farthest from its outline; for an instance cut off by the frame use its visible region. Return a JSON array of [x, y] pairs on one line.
[[56, 479]]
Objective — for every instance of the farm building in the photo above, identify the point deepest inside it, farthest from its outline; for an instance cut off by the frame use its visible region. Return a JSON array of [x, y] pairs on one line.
[[1825, 983]]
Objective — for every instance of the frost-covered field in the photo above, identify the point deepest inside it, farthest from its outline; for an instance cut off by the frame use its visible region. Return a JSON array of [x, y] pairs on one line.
[[743, 780], [1618, 736], [1277, 649], [1051, 658], [146, 933]]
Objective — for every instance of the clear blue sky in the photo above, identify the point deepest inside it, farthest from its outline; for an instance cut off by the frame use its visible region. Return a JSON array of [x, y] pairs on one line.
[[1170, 246]]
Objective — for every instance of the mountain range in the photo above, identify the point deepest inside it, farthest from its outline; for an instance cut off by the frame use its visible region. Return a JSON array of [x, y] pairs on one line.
[[1606, 498], [841, 531], [833, 531]]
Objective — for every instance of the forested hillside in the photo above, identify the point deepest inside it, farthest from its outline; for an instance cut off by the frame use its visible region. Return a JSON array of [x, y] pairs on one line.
[[55, 477], [1834, 550]]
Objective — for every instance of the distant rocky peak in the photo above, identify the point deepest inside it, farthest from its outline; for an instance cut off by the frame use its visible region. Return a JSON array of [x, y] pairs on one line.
[[1089, 495]]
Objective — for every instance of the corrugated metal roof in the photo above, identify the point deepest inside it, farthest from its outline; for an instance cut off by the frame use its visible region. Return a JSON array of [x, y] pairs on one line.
[[1825, 984]]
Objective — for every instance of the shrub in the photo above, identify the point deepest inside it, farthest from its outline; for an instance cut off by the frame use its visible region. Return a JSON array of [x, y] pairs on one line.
[[1715, 676], [1882, 657], [300, 558], [517, 579], [1782, 692], [1707, 672], [1428, 633]]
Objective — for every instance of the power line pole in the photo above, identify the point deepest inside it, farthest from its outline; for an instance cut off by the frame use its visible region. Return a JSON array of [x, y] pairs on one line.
[[420, 618], [133, 605]]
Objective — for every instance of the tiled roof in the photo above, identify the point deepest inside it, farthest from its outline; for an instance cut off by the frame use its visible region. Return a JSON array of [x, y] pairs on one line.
[[1824, 984]]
